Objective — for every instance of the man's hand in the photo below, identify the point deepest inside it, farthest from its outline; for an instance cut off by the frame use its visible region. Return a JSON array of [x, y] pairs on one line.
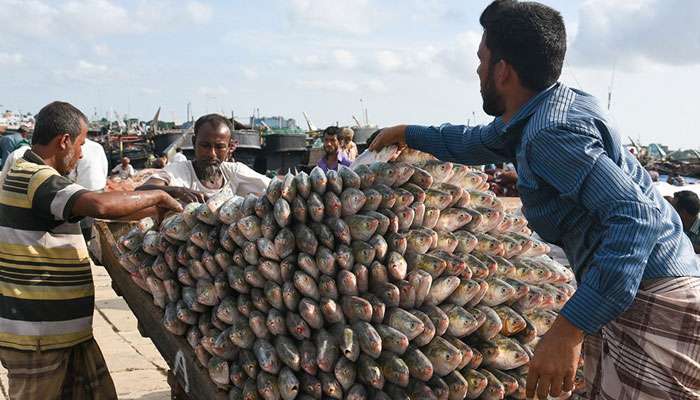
[[180, 193], [388, 136], [168, 203], [185, 195], [553, 368]]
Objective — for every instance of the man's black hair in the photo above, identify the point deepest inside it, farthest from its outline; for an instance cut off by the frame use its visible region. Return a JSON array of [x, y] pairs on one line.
[[56, 119], [529, 36], [687, 201], [178, 150], [215, 120], [331, 131]]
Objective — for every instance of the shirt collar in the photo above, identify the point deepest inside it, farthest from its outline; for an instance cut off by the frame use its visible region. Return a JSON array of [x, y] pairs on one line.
[[525, 111], [695, 228], [32, 157], [340, 154]]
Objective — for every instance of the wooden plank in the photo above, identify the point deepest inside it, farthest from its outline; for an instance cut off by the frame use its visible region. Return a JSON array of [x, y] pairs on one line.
[[193, 378]]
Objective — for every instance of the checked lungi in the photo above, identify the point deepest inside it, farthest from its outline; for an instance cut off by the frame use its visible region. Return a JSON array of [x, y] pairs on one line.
[[651, 351], [75, 373]]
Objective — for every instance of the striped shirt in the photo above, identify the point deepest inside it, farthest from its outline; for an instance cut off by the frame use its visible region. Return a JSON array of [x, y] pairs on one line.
[[582, 190], [46, 288]]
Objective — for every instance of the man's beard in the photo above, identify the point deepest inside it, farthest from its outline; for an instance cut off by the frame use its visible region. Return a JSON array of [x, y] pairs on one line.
[[68, 163], [208, 170], [493, 103]]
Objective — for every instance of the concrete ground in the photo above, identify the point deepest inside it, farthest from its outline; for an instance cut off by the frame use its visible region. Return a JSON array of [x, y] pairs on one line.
[[138, 370]]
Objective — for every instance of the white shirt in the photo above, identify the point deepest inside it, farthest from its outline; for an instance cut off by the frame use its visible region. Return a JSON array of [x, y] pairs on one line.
[[92, 170], [241, 178], [178, 157], [124, 173], [18, 153]]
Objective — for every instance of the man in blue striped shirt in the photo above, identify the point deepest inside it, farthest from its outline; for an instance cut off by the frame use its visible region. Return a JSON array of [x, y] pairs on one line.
[[638, 300]]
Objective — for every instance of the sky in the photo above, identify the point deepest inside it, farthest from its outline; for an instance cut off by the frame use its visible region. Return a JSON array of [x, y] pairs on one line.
[[406, 61]]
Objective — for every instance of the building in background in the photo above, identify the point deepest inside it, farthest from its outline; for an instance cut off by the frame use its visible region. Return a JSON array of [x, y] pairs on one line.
[[278, 122]]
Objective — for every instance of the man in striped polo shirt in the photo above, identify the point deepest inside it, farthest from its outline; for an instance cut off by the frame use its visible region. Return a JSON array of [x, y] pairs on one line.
[[46, 288]]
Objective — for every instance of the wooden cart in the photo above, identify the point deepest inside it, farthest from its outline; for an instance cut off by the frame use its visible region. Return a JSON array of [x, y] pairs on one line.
[[188, 380]]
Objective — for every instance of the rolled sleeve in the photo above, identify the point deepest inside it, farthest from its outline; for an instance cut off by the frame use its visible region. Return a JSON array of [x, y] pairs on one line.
[[55, 197], [458, 143], [164, 176], [578, 167], [589, 310]]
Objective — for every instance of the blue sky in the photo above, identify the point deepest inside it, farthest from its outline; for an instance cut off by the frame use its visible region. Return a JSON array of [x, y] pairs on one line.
[[411, 61]]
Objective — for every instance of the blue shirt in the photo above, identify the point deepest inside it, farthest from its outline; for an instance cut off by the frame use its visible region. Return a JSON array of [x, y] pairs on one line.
[[582, 190], [8, 144]]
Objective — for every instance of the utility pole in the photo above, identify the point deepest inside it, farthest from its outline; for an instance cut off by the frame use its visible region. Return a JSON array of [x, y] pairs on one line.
[[610, 88]]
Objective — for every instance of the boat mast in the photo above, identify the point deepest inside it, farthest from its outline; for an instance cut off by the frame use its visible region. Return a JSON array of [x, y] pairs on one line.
[[610, 88]]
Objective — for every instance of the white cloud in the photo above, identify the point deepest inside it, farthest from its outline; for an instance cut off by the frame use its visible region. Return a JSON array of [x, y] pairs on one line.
[[215, 91], [343, 86], [376, 86], [312, 61], [633, 34], [148, 91], [344, 59], [11, 58], [390, 61], [329, 85], [335, 59], [90, 68], [102, 50], [349, 16], [459, 58], [89, 73], [250, 73], [423, 60], [94, 17], [199, 12], [16, 13]]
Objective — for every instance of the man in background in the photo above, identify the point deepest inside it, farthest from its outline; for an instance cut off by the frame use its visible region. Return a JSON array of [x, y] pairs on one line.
[[687, 204], [334, 156], [11, 142], [125, 170], [210, 171], [346, 143], [179, 157]]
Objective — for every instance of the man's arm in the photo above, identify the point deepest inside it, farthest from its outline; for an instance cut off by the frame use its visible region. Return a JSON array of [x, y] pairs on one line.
[[59, 198], [180, 193], [118, 205], [458, 143], [578, 167]]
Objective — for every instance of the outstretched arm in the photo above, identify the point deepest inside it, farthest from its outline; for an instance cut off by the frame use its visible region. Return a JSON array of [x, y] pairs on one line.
[[123, 205], [458, 143], [58, 198]]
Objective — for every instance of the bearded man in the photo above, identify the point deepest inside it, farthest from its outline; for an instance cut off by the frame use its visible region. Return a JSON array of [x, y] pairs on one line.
[[210, 171], [637, 305]]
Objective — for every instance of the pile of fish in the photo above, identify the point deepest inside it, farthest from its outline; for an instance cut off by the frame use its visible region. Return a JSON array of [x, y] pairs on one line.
[[400, 280]]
